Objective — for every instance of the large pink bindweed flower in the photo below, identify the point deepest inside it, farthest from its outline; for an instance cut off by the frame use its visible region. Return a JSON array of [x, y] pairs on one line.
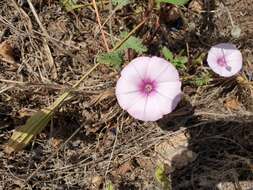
[[149, 87], [225, 59]]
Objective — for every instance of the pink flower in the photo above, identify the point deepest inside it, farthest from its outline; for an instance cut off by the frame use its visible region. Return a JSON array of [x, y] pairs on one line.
[[225, 59], [149, 87]]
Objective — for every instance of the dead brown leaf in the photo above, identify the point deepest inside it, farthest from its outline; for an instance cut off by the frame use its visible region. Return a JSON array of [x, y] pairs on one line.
[[56, 142], [196, 6], [169, 13], [6, 52], [145, 163], [25, 112], [125, 168], [96, 182], [232, 104], [50, 59]]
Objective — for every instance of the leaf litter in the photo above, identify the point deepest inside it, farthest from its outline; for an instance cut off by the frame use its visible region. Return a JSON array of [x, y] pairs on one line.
[[218, 134]]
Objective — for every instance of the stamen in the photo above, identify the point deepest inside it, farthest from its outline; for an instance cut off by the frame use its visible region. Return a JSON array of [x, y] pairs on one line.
[[148, 88]]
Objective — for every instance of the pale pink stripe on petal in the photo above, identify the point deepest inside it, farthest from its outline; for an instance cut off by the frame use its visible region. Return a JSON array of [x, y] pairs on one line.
[[127, 100], [126, 85], [162, 70], [141, 65], [169, 89], [138, 109], [153, 111]]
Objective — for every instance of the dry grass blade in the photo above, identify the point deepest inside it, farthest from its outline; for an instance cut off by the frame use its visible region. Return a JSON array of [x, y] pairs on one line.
[[23, 135]]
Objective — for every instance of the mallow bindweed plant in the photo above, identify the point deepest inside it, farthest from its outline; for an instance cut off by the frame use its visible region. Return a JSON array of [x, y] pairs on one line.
[[150, 87]]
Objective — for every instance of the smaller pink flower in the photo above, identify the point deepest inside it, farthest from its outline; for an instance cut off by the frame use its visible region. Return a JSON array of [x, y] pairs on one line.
[[149, 87], [225, 59]]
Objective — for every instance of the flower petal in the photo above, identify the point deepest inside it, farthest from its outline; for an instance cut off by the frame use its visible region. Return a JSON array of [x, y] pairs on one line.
[[212, 60], [126, 85], [166, 105], [169, 89], [165, 97], [139, 65], [226, 48], [161, 70], [159, 105], [137, 110], [152, 110], [234, 60], [127, 100], [130, 73]]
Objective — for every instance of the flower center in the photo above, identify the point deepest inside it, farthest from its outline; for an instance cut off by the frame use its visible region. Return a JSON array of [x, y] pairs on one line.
[[222, 62], [147, 86]]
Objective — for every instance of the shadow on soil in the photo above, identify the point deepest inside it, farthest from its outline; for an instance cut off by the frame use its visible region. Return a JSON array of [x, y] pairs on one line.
[[224, 151]]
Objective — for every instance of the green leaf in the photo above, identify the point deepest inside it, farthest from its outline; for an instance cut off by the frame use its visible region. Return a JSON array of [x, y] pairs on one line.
[[120, 3], [113, 59], [159, 173], [133, 43], [175, 2], [202, 80], [180, 62], [168, 55]]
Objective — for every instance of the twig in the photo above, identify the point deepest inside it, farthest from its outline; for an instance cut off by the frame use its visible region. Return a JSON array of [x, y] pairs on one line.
[[37, 18], [46, 46], [5, 89], [86, 75], [100, 26], [110, 22], [111, 155], [112, 12], [51, 39]]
